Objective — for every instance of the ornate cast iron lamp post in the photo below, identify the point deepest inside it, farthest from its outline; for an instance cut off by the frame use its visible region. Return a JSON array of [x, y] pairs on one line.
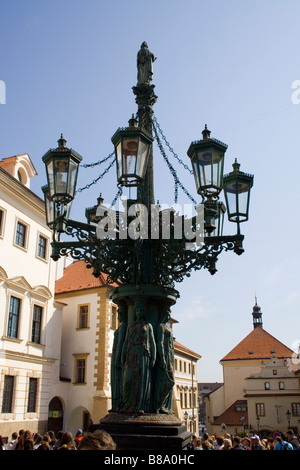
[[146, 267]]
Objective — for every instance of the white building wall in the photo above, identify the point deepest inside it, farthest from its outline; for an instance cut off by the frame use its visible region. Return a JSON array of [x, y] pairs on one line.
[[25, 275]]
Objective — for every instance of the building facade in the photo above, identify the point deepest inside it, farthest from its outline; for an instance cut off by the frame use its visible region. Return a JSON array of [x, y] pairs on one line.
[[186, 389], [30, 319]]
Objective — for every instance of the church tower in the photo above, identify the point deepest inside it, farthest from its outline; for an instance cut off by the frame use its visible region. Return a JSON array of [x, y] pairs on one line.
[[257, 315]]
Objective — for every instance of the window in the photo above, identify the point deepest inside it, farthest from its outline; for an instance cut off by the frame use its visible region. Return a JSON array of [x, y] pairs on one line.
[[8, 389], [296, 409], [32, 395], [260, 409], [36, 324], [80, 371], [2, 217], [281, 385], [21, 234], [42, 247], [83, 316], [13, 317], [80, 368], [267, 385], [274, 372]]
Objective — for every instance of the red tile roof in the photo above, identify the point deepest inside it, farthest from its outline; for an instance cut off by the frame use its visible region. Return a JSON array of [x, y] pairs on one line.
[[231, 417], [78, 277], [259, 344]]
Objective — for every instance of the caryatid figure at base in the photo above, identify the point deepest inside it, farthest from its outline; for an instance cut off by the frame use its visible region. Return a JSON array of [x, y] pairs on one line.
[[116, 365], [165, 380], [138, 358], [145, 59]]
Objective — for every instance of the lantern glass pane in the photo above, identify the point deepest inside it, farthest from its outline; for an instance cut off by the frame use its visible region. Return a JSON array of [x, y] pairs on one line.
[[119, 159], [61, 175], [72, 178], [210, 163], [195, 171], [50, 177], [243, 200], [231, 199], [142, 159], [217, 173], [49, 209], [130, 147], [204, 160]]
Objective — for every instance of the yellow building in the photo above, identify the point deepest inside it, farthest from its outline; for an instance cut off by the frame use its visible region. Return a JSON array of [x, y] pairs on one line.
[[243, 397]]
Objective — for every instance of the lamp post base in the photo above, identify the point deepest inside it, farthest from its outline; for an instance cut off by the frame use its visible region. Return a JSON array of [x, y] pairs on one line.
[[149, 431]]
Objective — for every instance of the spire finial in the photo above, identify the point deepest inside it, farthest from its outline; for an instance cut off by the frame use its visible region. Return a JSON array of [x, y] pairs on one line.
[[257, 315]]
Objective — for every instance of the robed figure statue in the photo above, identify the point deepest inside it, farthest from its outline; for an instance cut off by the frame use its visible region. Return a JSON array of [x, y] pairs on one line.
[[165, 379], [145, 59], [138, 358], [116, 365]]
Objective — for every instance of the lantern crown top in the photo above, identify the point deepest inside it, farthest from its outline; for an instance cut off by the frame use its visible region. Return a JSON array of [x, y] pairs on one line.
[[62, 142], [206, 141], [133, 124], [236, 166], [206, 133], [236, 172]]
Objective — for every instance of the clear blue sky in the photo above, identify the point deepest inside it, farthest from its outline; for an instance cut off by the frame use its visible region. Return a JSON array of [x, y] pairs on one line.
[[69, 66]]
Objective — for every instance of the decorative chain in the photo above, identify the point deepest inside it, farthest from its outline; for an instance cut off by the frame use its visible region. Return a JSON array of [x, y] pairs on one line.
[[172, 170], [119, 194], [99, 177], [169, 146], [91, 165]]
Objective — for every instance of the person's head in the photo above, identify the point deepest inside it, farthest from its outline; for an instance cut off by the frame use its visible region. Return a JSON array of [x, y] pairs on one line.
[[290, 434], [79, 432], [245, 441], [14, 436], [66, 440], [236, 440], [206, 444], [197, 441], [37, 438], [28, 444], [51, 435], [219, 440], [255, 440], [227, 443], [98, 440], [28, 435]]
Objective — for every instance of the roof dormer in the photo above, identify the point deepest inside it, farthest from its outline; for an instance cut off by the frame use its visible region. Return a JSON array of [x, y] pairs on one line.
[[20, 167]]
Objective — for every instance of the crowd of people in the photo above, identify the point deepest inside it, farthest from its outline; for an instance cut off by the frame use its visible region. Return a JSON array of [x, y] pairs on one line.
[[276, 441], [101, 440], [25, 440]]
